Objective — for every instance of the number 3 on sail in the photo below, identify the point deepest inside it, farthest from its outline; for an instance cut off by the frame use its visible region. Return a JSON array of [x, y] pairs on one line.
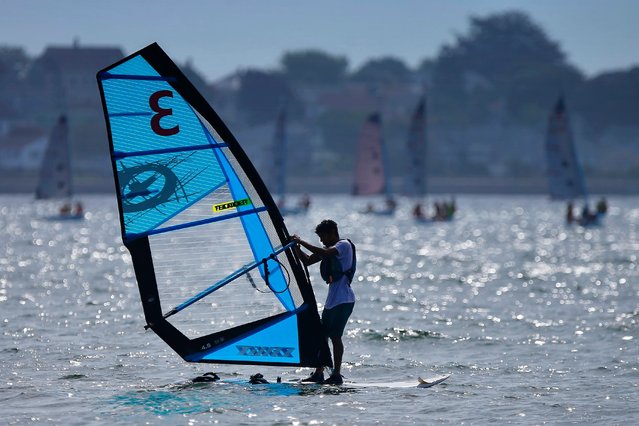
[[218, 278]]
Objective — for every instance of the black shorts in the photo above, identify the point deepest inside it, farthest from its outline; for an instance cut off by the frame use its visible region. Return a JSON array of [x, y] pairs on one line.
[[334, 320]]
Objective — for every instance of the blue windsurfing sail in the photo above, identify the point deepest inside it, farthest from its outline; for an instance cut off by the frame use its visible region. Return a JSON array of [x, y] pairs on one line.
[[565, 175], [218, 278]]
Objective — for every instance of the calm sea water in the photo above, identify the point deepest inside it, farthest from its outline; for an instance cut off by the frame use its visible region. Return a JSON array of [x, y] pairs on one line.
[[537, 322]]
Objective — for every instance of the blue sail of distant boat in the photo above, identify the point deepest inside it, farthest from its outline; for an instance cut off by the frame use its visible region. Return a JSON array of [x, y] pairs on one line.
[[218, 278], [415, 177], [565, 175]]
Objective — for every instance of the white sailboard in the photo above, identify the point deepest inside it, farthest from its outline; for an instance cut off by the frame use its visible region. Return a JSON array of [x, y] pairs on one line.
[[419, 383], [258, 379]]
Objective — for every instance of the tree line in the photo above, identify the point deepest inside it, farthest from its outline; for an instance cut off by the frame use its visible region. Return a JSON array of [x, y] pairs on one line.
[[504, 65]]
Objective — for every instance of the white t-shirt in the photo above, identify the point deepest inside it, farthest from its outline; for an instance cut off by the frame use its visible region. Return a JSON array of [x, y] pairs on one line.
[[340, 291]]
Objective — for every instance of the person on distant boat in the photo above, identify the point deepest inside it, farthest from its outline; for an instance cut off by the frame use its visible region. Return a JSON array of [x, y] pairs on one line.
[[79, 210], [439, 211], [602, 206], [338, 263], [65, 209], [418, 213], [369, 208], [570, 216], [305, 202], [451, 208]]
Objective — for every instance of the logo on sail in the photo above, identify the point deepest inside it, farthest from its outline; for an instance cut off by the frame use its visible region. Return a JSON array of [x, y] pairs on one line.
[[274, 351], [231, 205]]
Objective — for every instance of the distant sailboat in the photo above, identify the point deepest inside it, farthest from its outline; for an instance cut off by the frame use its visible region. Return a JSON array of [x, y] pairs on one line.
[[371, 167], [276, 171], [415, 177], [56, 178], [565, 174]]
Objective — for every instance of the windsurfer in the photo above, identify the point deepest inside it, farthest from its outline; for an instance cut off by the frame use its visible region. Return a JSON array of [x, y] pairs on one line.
[[341, 299]]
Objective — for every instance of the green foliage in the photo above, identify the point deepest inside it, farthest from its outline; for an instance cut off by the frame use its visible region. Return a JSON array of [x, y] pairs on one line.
[[13, 62], [383, 72], [503, 58], [314, 67], [530, 93], [261, 95], [340, 131], [610, 99]]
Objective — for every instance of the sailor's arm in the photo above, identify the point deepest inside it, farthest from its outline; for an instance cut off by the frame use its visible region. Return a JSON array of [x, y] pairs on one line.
[[307, 259], [317, 253]]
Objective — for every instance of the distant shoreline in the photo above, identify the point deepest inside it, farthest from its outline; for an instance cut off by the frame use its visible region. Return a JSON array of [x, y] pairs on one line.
[[17, 183]]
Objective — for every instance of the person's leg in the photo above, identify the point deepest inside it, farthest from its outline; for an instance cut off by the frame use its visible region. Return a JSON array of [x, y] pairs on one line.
[[342, 313], [318, 374], [338, 353]]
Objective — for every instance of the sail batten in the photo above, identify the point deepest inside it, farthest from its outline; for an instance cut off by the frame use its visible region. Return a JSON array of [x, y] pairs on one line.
[[130, 114], [197, 223], [119, 154], [194, 211], [108, 76]]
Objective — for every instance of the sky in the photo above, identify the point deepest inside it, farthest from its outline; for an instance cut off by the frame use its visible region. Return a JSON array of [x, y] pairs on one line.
[[219, 37]]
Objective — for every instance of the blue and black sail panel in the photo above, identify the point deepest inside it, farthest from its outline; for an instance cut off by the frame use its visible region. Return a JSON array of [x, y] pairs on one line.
[[218, 278]]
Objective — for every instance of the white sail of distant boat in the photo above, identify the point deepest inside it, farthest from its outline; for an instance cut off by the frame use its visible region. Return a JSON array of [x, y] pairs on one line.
[[415, 177], [566, 179], [565, 175], [275, 175], [372, 175], [56, 179]]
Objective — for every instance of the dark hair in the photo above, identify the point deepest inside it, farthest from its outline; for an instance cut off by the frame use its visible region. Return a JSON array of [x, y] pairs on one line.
[[326, 226]]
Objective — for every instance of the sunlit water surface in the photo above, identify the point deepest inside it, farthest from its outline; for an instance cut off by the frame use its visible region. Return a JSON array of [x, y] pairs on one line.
[[536, 322]]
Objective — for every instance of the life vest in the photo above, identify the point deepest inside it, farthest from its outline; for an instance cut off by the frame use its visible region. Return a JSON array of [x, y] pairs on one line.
[[331, 268]]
